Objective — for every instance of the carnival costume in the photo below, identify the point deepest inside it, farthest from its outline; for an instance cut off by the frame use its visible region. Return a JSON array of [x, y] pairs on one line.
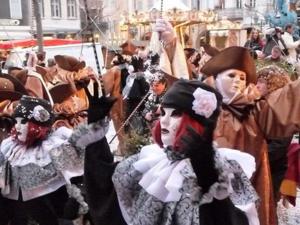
[[34, 172], [195, 184]]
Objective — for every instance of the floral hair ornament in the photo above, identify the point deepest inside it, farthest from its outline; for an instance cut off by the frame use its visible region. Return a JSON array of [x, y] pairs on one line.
[[205, 102], [198, 100], [40, 114]]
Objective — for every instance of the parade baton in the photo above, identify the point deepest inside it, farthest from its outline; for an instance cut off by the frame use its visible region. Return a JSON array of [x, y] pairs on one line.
[[94, 47], [130, 116]]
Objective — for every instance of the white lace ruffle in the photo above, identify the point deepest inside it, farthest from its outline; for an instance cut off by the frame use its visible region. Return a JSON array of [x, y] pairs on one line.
[[161, 177], [245, 160], [20, 155]]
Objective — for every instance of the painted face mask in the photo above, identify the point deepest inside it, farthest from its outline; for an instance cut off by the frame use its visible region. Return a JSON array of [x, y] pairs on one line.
[[230, 82], [169, 122], [21, 127]]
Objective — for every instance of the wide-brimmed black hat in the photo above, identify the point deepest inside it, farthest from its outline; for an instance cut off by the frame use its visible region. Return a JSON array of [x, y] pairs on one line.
[[36, 110], [234, 57], [195, 98]]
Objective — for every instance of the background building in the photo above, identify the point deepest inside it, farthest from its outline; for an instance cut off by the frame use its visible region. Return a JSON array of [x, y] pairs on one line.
[[15, 18], [60, 18]]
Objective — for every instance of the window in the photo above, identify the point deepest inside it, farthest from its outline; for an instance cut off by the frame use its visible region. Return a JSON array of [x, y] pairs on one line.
[[252, 3], [42, 10], [72, 10], [239, 4], [139, 6], [55, 8]]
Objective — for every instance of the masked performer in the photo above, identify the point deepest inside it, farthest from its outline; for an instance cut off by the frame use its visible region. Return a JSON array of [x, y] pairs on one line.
[[182, 179]]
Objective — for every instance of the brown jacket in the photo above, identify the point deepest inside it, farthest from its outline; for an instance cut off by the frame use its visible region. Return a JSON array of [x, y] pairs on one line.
[[276, 116]]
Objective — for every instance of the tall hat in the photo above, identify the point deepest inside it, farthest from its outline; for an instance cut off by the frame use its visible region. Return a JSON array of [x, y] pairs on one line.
[[36, 110], [197, 99], [234, 57], [69, 63], [11, 88]]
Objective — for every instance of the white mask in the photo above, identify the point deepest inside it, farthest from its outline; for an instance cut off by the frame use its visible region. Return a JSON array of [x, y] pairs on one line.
[[21, 129], [230, 82], [169, 121]]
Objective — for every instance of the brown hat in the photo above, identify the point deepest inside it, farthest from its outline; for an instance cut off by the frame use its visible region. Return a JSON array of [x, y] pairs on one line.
[[212, 51], [234, 57], [69, 63], [11, 88], [62, 91], [41, 70], [21, 76]]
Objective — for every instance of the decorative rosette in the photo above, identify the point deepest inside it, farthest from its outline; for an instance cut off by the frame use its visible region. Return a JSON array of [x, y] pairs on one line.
[[40, 114], [205, 102]]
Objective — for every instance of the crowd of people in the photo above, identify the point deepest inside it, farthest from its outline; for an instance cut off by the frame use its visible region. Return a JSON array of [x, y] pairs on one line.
[[218, 135]]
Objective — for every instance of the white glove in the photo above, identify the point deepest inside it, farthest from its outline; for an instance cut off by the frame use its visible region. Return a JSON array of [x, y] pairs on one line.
[[166, 30]]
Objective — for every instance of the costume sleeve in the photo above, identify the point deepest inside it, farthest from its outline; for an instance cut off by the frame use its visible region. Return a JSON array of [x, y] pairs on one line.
[[99, 166], [172, 60], [278, 115], [101, 196], [290, 43]]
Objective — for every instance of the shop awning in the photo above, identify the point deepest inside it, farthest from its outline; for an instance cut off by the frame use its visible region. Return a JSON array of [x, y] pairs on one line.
[[6, 45]]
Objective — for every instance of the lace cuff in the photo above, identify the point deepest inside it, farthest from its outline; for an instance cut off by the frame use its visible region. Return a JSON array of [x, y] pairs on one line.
[[219, 190], [86, 134]]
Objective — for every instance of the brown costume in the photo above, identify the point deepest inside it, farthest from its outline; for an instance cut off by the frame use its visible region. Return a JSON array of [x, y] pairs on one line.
[[248, 120], [68, 95], [112, 86]]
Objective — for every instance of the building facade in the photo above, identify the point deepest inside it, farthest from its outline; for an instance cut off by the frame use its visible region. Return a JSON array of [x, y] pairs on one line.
[[60, 18], [15, 19]]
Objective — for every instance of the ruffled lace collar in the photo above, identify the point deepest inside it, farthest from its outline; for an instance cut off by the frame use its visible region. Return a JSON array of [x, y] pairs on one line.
[[19, 155], [163, 173]]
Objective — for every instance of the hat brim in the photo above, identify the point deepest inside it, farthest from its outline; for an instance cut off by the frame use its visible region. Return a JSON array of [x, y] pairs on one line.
[[10, 95], [234, 57], [19, 87], [41, 70], [63, 63], [61, 92]]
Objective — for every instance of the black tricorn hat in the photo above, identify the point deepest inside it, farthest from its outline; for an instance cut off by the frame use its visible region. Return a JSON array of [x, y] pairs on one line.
[[35, 109], [234, 57], [181, 95]]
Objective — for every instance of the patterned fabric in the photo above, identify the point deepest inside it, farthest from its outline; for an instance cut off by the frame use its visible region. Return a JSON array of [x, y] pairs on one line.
[[139, 207], [42, 169]]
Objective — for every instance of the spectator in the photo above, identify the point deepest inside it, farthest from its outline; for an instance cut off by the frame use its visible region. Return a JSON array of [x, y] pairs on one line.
[[158, 85], [273, 37], [290, 44], [254, 43], [275, 55]]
